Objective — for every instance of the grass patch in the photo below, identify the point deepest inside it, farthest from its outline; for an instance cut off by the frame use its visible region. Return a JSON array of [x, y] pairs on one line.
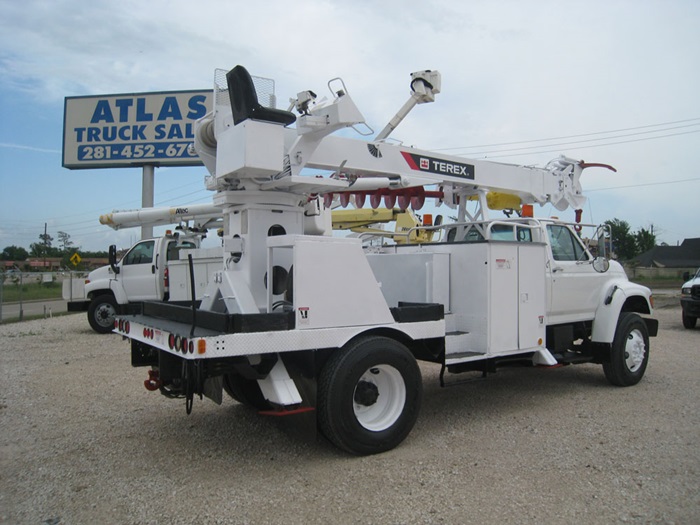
[[30, 291]]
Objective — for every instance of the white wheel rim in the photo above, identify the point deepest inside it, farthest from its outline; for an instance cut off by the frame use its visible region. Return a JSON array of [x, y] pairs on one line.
[[635, 350], [105, 315], [387, 408]]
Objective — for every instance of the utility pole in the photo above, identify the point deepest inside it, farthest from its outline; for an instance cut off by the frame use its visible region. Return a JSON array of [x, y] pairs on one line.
[[45, 245]]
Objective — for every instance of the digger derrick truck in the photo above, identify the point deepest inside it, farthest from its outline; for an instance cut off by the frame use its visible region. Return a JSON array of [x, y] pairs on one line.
[[298, 322]]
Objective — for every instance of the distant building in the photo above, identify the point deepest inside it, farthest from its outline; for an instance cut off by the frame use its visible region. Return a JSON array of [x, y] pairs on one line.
[[42, 263], [687, 255]]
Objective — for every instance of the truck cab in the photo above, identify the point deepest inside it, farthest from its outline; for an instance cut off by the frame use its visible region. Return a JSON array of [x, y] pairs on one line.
[[690, 299]]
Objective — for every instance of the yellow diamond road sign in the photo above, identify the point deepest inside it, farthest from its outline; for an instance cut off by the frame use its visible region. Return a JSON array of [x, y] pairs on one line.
[[76, 259]]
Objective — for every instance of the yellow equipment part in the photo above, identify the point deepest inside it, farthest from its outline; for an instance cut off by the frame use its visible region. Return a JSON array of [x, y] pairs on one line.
[[360, 221], [500, 201]]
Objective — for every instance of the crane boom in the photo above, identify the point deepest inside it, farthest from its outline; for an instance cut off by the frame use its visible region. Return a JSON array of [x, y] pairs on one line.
[[259, 155], [204, 216]]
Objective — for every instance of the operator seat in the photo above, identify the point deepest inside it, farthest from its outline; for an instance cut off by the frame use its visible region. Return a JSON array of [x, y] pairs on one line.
[[244, 100]]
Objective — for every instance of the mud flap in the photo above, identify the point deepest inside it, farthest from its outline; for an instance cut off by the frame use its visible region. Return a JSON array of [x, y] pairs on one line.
[[213, 389], [299, 421]]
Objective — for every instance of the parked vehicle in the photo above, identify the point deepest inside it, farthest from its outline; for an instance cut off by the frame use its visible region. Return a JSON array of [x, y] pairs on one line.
[[152, 270], [690, 299]]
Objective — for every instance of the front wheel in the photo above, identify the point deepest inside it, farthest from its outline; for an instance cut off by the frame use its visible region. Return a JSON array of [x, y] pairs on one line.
[[689, 321], [629, 354], [369, 395], [101, 313]]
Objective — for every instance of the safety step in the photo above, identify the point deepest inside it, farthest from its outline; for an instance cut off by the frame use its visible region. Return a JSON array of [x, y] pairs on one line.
[[457, 348]]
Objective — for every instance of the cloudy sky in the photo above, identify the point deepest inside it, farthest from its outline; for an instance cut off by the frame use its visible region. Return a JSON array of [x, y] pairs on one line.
[[612, 81]]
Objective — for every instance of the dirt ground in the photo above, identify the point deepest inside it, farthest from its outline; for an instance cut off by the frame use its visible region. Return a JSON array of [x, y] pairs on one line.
[[82, 442]]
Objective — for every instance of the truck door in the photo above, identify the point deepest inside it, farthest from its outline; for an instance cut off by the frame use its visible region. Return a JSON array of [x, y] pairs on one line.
[[138, 274], [573, 290]]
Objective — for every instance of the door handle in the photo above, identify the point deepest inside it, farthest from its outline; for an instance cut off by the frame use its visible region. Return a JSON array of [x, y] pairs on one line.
[[556, 269]]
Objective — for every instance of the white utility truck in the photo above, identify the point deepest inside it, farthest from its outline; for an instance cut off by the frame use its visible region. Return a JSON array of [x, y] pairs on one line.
[[297, 321], [152, 269]]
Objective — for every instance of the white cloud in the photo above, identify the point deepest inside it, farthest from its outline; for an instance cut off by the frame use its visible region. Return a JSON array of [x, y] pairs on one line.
[[512, 71]]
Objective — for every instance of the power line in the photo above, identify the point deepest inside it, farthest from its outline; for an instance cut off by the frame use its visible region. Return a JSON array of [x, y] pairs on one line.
[[644, 184], [592, 140], [587, 146], [574, 136]]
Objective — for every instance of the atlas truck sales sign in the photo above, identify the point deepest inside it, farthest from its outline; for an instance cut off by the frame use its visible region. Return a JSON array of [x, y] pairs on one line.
[[132, 129]]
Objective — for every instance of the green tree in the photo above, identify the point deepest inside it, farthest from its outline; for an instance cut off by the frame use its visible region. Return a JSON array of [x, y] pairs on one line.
[[44, 248], [644, 240], [623, 241], [64, 241], [14, 253]]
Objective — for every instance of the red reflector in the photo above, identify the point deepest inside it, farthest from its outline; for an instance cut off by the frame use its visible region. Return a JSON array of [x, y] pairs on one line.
[[171, 341]]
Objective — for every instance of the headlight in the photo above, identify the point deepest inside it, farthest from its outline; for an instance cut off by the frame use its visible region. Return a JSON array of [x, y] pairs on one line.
[[685, 291]]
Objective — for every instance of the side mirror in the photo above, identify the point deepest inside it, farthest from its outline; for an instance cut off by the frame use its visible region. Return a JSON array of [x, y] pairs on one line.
[[113, 258], [686, 276], [601, 264]]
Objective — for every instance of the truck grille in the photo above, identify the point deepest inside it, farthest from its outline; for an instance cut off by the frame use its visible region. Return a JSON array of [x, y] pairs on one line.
[[695, 291]]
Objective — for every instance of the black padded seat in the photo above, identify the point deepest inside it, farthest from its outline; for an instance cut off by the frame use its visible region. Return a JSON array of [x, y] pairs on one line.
[[244, 100]]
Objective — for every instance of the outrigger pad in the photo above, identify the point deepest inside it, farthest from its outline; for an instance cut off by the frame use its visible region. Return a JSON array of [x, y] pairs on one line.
[[244, 100]]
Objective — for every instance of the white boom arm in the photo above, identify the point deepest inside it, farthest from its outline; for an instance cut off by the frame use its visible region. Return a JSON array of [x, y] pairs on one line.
[[257, 155], [204, 216]]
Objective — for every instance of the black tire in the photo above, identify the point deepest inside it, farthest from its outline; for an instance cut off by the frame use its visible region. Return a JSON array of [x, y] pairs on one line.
[[369, 395], [629, 354], [246, 391], [101, 313], [689, 321]]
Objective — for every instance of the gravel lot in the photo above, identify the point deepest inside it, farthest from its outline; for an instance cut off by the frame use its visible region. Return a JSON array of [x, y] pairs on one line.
[[82, 442]]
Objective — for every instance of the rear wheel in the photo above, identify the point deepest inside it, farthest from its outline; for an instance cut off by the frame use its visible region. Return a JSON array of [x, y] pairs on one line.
[[101, 313], [246, 392], [689, 321], [369, 395], [630, 351]]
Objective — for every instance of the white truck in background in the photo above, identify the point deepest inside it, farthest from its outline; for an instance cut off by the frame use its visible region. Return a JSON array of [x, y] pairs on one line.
[[152, 269]]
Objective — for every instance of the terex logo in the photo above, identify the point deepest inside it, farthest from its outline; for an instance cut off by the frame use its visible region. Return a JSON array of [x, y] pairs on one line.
[[439, 166]]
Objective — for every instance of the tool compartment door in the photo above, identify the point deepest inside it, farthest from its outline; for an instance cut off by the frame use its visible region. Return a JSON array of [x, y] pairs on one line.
[[532, 300], [517, 297]]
